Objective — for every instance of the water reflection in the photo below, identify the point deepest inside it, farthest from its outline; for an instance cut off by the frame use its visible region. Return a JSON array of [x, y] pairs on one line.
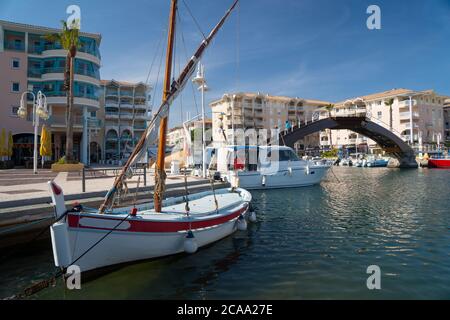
[[309, 243]]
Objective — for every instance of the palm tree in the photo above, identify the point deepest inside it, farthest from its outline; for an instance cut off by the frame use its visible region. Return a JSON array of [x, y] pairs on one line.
[[70, 41], [389, 103], [330, 108]]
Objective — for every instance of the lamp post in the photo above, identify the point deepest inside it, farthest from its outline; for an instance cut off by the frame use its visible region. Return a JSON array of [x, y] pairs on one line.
[[201, 82], [39, 111]]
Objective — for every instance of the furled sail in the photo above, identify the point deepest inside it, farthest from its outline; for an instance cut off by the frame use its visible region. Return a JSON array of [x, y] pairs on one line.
[[150, 135]]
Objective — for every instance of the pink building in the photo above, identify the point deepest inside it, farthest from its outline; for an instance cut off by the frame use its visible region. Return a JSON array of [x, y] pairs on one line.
[[29, 62]]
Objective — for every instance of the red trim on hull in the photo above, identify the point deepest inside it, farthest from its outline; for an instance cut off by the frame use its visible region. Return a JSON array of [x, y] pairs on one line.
[[155, 226], [439, 163]]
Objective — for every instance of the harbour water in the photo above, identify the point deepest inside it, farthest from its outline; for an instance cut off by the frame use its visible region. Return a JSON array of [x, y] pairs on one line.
[[309, 243]]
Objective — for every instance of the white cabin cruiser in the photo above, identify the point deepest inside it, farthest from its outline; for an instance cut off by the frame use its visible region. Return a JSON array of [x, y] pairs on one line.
[[268, 167]]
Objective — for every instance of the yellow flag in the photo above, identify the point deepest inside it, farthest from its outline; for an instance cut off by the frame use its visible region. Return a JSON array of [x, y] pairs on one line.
[[46, 143], [3, 146]]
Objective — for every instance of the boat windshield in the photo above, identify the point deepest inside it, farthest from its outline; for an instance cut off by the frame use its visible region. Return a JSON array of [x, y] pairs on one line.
[[283, 155]]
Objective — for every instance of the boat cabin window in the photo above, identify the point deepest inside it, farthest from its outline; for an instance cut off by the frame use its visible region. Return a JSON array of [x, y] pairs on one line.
[[283, 155]]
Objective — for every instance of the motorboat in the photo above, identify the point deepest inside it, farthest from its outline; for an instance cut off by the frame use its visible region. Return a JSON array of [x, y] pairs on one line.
[[273, 167]]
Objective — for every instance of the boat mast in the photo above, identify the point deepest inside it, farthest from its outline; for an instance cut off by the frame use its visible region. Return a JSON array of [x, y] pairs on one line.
[[175, 88], [160, 174]]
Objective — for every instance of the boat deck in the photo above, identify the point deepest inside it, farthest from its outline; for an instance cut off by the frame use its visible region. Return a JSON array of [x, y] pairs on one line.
[[204, 205]]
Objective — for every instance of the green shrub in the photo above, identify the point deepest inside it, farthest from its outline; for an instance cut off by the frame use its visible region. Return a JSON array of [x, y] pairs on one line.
[[61, 160]]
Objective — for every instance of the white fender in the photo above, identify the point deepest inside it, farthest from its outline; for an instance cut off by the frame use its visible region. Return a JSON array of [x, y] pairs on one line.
[[190, 244], [252, 217], [241, 224], [57, 195], [60, 244]]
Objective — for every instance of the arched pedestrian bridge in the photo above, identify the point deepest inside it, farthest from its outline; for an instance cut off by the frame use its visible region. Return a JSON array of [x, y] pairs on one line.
[[392, 144]]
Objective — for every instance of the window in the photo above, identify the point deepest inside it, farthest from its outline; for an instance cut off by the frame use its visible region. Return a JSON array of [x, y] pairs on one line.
[[15, 63], [94, 114], [379, 114], [15, 87]]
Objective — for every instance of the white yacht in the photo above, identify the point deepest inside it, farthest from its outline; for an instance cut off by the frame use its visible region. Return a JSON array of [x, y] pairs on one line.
[[268, 167]]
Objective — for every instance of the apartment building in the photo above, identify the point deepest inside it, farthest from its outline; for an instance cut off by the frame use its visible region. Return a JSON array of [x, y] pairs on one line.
[[447, 120], [417, 117], [176, 135], [125, 112], [242, 111], [30, 62]]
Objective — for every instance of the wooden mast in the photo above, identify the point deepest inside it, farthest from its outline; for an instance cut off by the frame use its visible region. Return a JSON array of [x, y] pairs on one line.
[[160, 174]]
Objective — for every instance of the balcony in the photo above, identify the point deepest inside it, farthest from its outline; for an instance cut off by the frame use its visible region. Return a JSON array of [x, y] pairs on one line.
[[408, 125], [139, 126], [128, 116], [126, 106], [111, 93], [406, 115], [111, 104], [405, 103], [126, 93], [15, 45], [111, 115], [140, 106], [142, 116]]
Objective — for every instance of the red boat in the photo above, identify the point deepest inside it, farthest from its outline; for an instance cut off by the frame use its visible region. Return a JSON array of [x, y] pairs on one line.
[[439, 163]]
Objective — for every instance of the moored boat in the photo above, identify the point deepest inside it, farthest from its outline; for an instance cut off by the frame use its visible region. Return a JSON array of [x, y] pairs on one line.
[[95, 238], [439, 163], [91, 240], [274, 167]]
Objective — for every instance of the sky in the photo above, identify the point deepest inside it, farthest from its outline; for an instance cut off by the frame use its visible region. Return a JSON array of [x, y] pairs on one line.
[[315, 49]]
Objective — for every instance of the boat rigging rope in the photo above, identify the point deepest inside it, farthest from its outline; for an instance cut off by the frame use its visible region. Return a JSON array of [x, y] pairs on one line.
[[160, 181], [186, 197], [211, 180], [195, 21]]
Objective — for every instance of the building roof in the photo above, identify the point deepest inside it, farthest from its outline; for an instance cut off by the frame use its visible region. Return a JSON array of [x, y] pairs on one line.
[[40, 29], [123, 83], [285, 99], [388, 94]]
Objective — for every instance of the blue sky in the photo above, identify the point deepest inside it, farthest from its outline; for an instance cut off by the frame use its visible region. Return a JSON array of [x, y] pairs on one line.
[[318, 49]]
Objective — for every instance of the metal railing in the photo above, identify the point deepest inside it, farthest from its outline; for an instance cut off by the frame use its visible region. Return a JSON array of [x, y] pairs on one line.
[[102, 173]]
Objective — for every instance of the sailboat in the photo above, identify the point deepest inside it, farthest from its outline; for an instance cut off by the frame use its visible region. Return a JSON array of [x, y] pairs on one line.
[[93, 239]]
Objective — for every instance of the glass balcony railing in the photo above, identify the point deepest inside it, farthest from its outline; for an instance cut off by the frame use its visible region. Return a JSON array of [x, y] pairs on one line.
[[13, 45]]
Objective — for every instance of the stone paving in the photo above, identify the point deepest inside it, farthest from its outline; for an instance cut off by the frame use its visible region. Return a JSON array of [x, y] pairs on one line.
[[18, 184]]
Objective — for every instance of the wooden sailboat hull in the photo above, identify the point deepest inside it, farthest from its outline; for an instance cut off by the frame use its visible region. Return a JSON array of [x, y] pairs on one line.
[[148, 234]]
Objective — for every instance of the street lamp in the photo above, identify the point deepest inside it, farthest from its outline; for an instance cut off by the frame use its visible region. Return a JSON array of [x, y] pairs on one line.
[[39, 111], [201, 82]]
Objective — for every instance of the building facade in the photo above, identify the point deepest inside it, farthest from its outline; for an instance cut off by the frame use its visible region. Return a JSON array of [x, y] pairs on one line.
[[423, 111], [242, 111], [30, 62], [125, 112], [447, 120]]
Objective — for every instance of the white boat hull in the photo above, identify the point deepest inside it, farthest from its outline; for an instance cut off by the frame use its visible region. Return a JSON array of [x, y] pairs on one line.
[[147, 235], [296, 177]]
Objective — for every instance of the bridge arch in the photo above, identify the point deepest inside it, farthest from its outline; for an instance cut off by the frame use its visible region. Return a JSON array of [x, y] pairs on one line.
[[387, 140]]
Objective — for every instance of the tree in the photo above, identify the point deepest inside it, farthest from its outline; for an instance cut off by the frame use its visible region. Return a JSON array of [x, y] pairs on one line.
[[330, 108], [389, 103], [70, 41]]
